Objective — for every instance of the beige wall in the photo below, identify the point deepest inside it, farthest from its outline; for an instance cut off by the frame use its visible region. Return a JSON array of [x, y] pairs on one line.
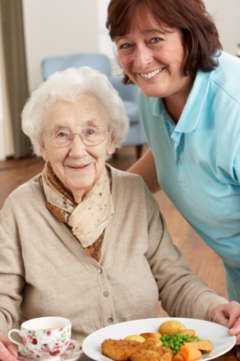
[[56, 27], [226, 16]]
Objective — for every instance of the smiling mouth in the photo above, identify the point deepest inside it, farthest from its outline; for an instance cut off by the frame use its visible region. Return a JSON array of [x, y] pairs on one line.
[[151, 74], [79, 166]]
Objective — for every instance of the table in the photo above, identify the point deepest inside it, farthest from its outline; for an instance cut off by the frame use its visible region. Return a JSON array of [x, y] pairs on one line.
[[229, 356]]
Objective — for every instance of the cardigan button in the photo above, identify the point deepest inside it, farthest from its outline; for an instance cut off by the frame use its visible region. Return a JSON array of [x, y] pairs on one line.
[[110, 319], [105, 293]]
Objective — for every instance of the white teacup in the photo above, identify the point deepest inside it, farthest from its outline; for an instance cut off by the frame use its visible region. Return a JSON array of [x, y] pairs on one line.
[[43, 337]]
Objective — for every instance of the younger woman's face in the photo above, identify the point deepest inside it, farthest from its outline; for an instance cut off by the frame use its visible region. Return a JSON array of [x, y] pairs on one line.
[[153, 57]]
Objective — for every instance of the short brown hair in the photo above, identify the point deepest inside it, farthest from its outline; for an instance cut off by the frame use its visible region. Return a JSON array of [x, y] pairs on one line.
[[200, 35]]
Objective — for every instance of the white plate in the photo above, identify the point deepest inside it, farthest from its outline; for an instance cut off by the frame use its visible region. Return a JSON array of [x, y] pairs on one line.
[[215, 333]]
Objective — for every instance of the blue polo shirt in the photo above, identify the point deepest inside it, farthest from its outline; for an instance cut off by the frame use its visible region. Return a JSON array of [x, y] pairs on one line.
[[197, 160]]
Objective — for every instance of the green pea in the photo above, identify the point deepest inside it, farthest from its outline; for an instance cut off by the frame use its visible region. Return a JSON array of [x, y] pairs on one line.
[[176, 341]]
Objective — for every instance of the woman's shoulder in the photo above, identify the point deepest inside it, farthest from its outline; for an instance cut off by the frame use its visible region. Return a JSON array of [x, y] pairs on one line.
[[226, 61], [225, 77]]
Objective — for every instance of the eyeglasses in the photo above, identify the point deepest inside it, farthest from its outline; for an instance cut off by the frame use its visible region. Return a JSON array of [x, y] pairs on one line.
[[90, 136]]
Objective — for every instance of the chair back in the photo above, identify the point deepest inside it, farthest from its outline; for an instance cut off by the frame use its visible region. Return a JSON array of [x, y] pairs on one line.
[[97, 61], [127, 92]]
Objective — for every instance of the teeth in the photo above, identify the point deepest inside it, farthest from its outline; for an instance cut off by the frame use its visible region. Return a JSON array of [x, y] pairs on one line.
[[150, 75]]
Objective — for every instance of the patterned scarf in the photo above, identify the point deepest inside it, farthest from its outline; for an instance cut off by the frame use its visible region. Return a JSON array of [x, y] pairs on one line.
[[88, 219]]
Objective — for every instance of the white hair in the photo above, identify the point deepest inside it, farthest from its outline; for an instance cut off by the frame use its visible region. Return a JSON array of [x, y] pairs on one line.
[[68, 85]]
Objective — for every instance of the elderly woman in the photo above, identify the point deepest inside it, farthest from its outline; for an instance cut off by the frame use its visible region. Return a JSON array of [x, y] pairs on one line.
[[82, 239]]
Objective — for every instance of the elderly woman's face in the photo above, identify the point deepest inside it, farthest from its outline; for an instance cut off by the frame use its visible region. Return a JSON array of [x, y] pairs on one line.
[[76, 142]]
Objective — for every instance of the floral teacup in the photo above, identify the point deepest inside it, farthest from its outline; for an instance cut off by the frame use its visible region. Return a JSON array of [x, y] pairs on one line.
[[43, 337]]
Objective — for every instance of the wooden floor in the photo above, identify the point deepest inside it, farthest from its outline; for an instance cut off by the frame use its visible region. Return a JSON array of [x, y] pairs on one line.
[[201, 259]]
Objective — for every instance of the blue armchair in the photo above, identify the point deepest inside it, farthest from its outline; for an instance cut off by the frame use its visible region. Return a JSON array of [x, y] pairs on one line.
[[136, 136]]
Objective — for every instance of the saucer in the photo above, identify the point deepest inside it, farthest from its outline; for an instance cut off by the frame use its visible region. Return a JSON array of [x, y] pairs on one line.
[[72, 353]]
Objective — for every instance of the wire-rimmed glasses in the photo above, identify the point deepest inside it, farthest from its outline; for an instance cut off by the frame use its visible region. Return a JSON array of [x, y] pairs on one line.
[[90, 136]]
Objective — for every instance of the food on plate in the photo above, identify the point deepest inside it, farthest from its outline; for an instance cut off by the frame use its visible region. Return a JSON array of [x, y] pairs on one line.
[[182, 345], [192, 351], [156, 336], [123, 350], [189, 332], [147, 355], [203, 345], [188, 354], [149, 351], [151, 344], [119, 350], [176, 341], [171, 327], [138, 338]]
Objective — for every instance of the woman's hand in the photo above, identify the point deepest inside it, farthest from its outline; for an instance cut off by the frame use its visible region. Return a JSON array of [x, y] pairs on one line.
[[8, 350], [228, 315]]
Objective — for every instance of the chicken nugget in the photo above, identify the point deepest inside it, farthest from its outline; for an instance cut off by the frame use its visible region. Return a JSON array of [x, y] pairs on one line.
[[167, 354], [146, 355], [150, 344], [148, 351], [119, 350], [156, 336]]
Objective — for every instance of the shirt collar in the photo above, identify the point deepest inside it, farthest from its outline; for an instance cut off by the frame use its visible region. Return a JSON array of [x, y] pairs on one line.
[[195, 103]]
